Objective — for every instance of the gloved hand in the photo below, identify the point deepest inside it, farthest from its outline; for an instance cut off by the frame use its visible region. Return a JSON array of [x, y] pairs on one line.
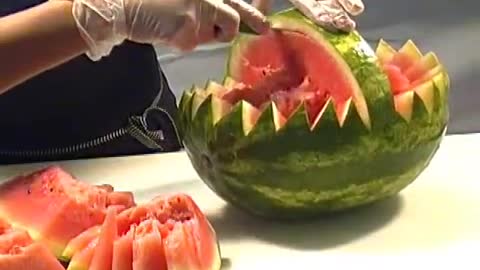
[[332, 14], [183, 24]]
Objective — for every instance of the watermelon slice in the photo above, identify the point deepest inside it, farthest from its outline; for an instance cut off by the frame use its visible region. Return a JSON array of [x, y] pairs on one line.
[[148, 247], [167, 233], [54, 207], [102, 259], [18, 251]]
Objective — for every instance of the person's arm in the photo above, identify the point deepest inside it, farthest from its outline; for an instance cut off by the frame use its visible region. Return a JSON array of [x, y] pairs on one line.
[[43, 37], [37, 39]]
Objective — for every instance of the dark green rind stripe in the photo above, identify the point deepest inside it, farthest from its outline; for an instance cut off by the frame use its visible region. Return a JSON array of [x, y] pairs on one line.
[[284, 193], [341, 166]]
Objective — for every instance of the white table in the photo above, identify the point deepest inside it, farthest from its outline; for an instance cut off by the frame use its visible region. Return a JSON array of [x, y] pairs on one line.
[[435, 222]]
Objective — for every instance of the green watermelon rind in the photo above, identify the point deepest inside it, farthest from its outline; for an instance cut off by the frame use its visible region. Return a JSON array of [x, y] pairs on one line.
[[341, 167], [224, 181]]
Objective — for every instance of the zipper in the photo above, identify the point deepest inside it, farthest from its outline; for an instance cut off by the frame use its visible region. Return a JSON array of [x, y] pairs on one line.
[[68, 149], [136, 127]]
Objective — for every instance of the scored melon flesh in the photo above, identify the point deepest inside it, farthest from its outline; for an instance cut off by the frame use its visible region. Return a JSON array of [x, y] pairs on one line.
[[180, 249], [428, 75], [123, 251], [399, 82], [411, 73], [402, 61], [295, 69], [104, 250], [167, 233], [427, 62], [148, 251]]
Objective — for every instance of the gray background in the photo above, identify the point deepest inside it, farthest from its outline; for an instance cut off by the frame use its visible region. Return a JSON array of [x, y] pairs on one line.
[[451, 28]]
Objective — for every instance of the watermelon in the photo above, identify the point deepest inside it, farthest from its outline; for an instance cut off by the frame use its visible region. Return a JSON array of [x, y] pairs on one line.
[[54, 207], [308, 121], [167, 233], [18, 251]]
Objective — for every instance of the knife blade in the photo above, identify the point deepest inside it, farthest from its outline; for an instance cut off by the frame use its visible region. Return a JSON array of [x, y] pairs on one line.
[[245, 29]]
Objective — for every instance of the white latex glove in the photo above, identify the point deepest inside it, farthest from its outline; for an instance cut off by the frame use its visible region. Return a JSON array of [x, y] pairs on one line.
[[332, 14], [182, 24]]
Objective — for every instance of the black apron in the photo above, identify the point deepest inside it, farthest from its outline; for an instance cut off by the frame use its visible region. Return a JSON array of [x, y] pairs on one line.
[[120, 105]]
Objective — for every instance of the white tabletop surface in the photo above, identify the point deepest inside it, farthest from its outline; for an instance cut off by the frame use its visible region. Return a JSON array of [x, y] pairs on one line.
[[435, 222]]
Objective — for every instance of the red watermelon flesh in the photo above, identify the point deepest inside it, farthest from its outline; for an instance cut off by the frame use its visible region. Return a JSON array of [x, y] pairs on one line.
[[102, 259], [400, 83], [405, 73], [290, 68], [409, 73], [83, 258], [81, 241], [148, 247], [402, 61], [19, 252], [54, 207], [166, 233], [123, 251]]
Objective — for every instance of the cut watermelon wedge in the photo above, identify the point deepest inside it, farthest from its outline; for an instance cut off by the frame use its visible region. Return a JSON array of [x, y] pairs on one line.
[[54, 207], [102, 259], [168, 233], [19, 252]]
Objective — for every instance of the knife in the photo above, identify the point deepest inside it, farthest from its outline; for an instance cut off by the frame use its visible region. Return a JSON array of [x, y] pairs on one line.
[[245, 29]]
